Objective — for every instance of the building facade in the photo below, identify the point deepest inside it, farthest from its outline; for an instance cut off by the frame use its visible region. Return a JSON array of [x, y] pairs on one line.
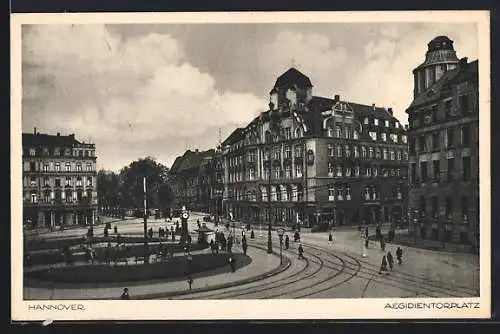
[[59, 180], [316, 160], [444, 147]]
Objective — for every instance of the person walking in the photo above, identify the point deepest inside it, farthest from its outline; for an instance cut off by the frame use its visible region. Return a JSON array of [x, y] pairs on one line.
[[232, 263], [367, 242], [252, 235], [125, 294], [390, 260], [366, 233], [212, 246], [330, 237], [301, 252], [287, 242], [382, 243], [383, 266], [244, 245], [399, 255], [190, 282]]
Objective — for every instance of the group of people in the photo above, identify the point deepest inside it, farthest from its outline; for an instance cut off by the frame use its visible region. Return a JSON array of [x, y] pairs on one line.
[[389, 260]]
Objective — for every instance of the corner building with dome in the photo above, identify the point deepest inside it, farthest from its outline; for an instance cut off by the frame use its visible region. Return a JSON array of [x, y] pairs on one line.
[[444, 147], [314, 160]]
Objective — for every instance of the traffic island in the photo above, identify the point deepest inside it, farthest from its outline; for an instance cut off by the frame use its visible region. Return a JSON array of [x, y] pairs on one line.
[[81, 276]]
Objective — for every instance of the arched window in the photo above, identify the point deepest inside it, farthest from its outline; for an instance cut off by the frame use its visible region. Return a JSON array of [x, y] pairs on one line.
[[299, 132], [268, 137], [278, 193], [392, 155], [386, 154], [347, 149], [331, 169], [338, 131], [289, 193], [339, 150], [300, 193], [366, 193], [363, 151], [370, 154], [377, 153], [374, 193], [356, 134], [347, 133], [330, 132], [356, 152]]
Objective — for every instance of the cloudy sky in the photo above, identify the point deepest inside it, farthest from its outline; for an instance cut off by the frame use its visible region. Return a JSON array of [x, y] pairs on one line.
[[147, 90]]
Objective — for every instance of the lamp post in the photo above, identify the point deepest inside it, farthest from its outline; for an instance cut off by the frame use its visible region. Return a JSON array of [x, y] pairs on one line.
[[281, 231], [145, 216], [269, 238]]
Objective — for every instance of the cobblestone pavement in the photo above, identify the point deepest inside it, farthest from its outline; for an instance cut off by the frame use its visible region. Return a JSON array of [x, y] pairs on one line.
[[330, 270]]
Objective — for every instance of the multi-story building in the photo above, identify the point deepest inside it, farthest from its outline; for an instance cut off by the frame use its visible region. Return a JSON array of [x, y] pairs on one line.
[[444, 147], [59, 180], [191, 179], [316, 160]]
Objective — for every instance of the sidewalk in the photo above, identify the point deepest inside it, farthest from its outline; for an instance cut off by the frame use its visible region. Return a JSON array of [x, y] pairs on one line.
[[262, 265]]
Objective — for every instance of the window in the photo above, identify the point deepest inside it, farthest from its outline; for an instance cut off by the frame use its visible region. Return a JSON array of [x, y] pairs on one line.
[[421, 144], [32, 166], [45, 151], [384, 136], [412, 145], [423, 172], [331, 152], [46, 181], [252, 156], [57, 151], [450, 138], [277, 153], [434, 113], [368, 171], [33, 197], [288, 152], [435, 207], [465, 135], [68, 167], [466, 166], [356, 152], [78, 167], [436, 170], [464, 104], [404, 139], [33, 181], [348, 171], [58, 182], [331, 168], [399, 194], [394, 137], [386, 155], [339, 151], [423, 206], [375, 121], [374, 171], [331, 193], [363, 151], [370, 154], [347, 150], [365, 121], [399, 155], [89, 181], [58, 167], [413, 173], [339, 190], [79, 181], [288, 133], [45, 167], [366, 193], [338, 131], [266, 156], [298, 151], [464, 204], [339, 171], [357, 171], [392, 155], [435, 140], [373, 135], [355, 134], [347, 133], [405, 156], [32, 152], [288, 172], [448, 207], [330, 132], [448, 108], [298, 170], [68, 181], [386, 124], [377, 153], [451, 169]]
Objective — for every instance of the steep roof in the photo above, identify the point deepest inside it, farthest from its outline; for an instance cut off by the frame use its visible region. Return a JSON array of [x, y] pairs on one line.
[[293, 77], [235, 136], [39, 140], [190, 160]]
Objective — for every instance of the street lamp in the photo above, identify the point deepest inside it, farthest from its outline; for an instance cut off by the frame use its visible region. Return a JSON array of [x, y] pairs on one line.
[[281, 231]]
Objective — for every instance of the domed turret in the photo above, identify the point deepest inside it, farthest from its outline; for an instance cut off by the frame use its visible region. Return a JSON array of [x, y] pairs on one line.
[[440, 58], [291, 89]]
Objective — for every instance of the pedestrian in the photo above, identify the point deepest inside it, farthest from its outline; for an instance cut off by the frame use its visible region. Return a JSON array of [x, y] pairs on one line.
[[330, 237], [118, 239], [377, 232], [232, 263], [116, 229], [366, 243], [245, 247], [190, 282], [399, 255], [382, 243], [106, 232], [301, 251], [287, 241], [383, 266], [212, 246], [390, 260], [125, 294], [296, 236], [366, 233], [252, 235], [359, 229]]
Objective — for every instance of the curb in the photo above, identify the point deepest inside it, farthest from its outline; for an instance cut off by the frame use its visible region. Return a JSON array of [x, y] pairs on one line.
[[273, 272]]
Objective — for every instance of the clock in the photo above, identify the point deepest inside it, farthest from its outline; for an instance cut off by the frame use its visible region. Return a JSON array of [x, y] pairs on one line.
[[185, 215]]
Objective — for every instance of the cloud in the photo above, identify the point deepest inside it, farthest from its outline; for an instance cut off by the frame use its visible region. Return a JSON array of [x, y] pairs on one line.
[[124, 93]]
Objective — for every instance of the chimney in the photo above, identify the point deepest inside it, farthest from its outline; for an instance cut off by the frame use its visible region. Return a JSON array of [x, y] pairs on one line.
[[337, 98], [196, 150], [463, 61], [58, 134], [373, 106], [34, 130], [389, 110]]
